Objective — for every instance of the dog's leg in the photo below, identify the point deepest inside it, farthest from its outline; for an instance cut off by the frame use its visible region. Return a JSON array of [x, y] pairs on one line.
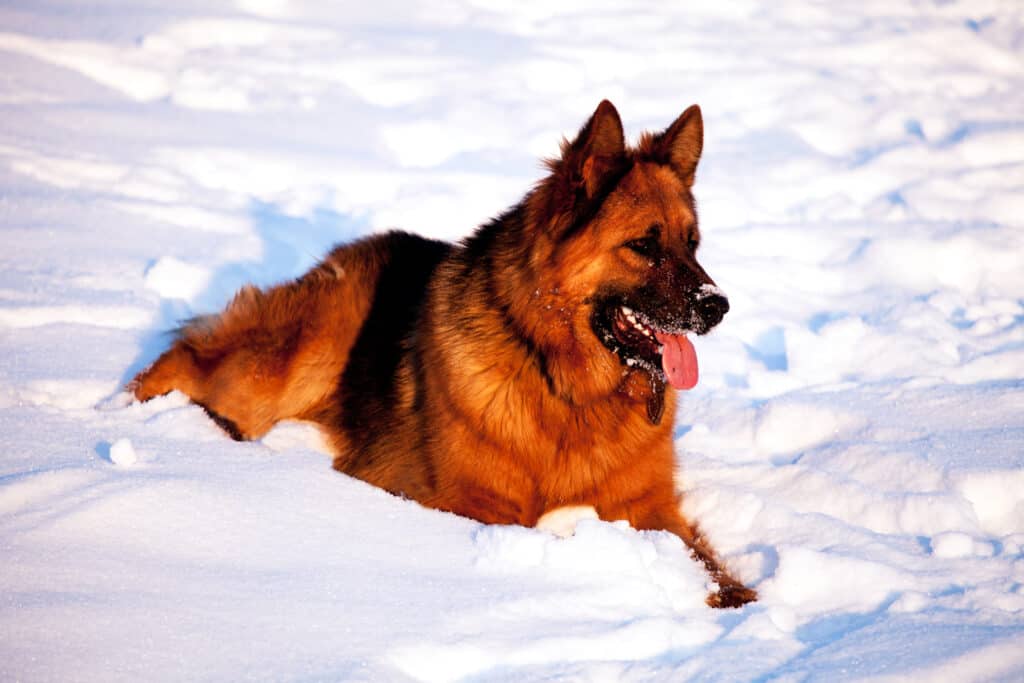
[[269, 356], [662, 513], [175, 369], [233, 379], [731, 591], [279, 353], [469, 495]]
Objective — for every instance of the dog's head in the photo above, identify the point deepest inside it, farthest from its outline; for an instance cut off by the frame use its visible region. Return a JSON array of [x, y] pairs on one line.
[[619, 236]]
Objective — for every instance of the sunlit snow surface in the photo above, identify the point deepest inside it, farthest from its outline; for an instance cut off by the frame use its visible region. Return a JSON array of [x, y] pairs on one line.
[[855, 448]]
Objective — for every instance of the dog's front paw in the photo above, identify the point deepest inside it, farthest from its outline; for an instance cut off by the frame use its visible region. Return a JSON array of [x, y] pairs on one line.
[[562, 521], [731, 595]]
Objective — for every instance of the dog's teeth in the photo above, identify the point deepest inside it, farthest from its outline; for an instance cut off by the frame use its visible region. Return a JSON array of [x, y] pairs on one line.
[[631, 319], [627, 310], [639, 325]]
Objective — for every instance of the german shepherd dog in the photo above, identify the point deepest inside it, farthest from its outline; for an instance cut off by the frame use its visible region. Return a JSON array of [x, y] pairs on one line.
[[532, 367]]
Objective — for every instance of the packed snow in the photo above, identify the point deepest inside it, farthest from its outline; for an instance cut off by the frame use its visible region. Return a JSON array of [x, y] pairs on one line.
[[855, 448]]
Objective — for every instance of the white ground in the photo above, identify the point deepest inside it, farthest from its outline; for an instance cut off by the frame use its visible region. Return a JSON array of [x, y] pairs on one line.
[[855, 448]]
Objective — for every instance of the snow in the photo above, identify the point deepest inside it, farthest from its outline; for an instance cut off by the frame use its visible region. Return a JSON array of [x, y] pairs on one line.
[[123, 453], [855, 448]]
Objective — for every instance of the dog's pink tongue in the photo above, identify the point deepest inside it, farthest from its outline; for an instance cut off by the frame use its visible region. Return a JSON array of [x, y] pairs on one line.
[[678, 360]]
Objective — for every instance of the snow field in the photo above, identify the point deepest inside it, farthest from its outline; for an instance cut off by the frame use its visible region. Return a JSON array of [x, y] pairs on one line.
[[855, 448]]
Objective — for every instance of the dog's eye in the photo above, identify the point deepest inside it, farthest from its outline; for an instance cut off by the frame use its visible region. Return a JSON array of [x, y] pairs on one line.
[[692, 245], [645, 246]]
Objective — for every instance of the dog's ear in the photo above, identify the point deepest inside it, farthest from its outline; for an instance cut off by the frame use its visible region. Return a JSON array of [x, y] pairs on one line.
[[596, 149], [681, 144]]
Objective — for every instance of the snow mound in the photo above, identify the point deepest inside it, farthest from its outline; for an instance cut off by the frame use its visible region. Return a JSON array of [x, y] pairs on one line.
[[174, 279], [631, 597], [122, 453]]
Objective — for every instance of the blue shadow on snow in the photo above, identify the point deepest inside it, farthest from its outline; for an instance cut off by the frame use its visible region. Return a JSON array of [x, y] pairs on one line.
[[291, 245]]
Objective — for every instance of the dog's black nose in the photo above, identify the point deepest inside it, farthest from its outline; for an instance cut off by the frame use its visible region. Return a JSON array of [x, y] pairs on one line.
[[712, 309]]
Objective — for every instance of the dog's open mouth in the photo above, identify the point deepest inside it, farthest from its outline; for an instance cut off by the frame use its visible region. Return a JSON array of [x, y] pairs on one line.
[[666, 354]]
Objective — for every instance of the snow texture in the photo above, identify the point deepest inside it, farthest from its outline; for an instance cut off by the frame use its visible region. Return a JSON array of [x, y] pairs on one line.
[[855, 448]]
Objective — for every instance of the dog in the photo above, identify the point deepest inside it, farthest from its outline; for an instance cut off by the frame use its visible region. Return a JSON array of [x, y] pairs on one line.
[[533, 366]]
